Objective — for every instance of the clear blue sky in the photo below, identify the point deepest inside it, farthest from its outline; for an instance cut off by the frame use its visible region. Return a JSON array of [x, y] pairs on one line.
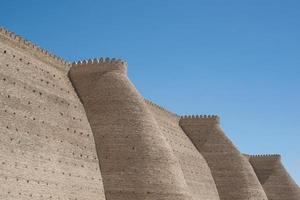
[[237, 59]]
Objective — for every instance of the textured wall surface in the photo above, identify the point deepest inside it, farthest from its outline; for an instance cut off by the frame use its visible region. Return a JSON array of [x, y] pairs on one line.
[[46, 144], [275, 180], [52, 146], [233, 174], [195, 169], [136, 161]]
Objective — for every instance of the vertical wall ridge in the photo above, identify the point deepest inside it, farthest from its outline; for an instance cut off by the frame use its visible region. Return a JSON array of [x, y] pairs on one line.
[[136, 161], [195, 168]]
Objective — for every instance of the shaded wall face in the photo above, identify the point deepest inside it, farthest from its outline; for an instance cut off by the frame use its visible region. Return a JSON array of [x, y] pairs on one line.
[[232, 173], [275, 180], [195, 169], [136, 161], [46, 144]]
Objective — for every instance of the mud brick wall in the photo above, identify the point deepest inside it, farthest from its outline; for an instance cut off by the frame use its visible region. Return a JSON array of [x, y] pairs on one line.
[[136, 161], [57, 133], [233, 174], [274, 178], [46, 144], [195, 169]]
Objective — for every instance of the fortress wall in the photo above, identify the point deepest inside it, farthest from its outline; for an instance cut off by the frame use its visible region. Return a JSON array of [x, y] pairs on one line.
[[233, 174], [136, 160], [275, 180], [195, 169], [14, 40], [46, 144]]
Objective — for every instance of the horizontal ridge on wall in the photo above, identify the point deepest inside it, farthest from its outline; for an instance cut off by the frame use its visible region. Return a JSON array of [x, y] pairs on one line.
[[98, 61], [32, 46]]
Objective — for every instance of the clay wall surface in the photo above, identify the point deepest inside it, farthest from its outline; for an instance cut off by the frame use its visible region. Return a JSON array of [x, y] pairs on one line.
[[46, 144], [274, 178], [195, 169], [233, 174], [136, 161], [56, 134]]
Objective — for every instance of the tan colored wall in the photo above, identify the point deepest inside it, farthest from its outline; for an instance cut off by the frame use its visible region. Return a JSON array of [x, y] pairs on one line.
[[48, 148], [46, 144], [136, 161], [233, 174], [275, 180], [195, 169]]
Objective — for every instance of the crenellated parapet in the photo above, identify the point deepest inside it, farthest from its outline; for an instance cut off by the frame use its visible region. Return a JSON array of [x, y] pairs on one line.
[[160, 107], [264, 156], [200, 119], [22, 42], [99, 65], [200, 116], [97, 61]]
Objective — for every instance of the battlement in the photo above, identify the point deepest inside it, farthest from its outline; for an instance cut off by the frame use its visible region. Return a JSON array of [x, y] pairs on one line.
[[264, 156], [200, 116], [101, 65], [199, 119], [22, 42], [160, 107], [97, 61]]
